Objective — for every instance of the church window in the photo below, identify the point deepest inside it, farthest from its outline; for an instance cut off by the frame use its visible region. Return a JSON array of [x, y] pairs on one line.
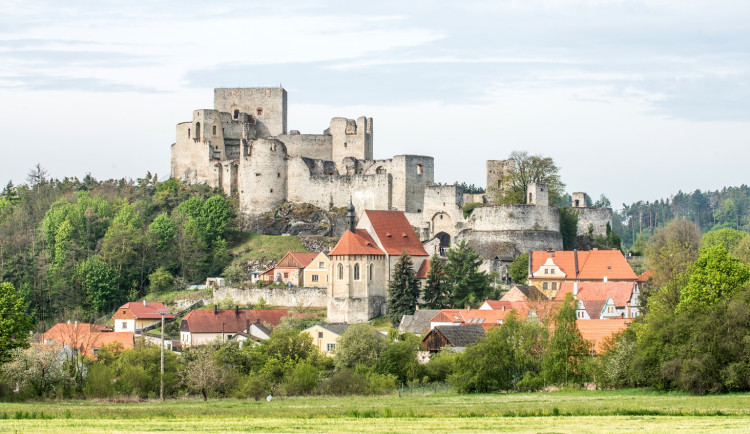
[[356, 271], [370, 271], [341, 271]]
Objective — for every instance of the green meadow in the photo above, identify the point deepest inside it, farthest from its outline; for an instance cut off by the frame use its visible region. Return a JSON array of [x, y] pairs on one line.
[[563, 411]]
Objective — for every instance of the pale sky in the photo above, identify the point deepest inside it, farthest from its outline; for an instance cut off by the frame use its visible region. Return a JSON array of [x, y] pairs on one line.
[[633, 99]]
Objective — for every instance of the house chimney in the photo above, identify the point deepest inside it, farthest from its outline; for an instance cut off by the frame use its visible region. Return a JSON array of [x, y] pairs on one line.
[[144, 301], [503, 308], [575, 289], [247, 325], [215, 311], [68, 321], [575, 258], [530, 252], [76, 324], [237, 310], [605, 278]]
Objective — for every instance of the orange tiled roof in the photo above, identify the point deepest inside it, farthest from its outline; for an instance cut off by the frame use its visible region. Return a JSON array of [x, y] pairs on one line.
[[645, 276], [598, 330], [228, 320], [424, 269], [356, 243], [485, 318], [592, 265], [620, 292], [86, 337], [395, 233], [136, 309]]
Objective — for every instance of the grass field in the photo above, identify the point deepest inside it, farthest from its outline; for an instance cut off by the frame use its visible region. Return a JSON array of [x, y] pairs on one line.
[[565, 411]]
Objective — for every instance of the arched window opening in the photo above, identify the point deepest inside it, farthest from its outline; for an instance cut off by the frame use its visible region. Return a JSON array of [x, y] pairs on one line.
[[420, 169], [341, 271], [236, 114], [356, 271], [197, 130]]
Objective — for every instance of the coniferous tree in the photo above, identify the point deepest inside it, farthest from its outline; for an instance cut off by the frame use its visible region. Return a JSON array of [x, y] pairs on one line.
[[436, 292], [403, 290], [464, 279]]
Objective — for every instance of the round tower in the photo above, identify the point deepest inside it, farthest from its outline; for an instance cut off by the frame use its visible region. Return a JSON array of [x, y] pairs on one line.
[[263, 176]]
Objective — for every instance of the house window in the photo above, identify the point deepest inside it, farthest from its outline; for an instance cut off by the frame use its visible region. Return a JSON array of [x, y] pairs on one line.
[[96, 351], [341, 271], [554, 286], [124, 325], [356, 271], [330, 347], [314, 278], [320, 335], [321, 265], [546, 271], [229, 337], [286, 275], [544, 285]]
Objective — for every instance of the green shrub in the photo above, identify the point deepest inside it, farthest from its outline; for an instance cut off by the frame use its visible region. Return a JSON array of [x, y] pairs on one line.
[[469, 208], [345, 382], [441, 365], [302, 380], [531, 382], [252, 386], [99, 381]]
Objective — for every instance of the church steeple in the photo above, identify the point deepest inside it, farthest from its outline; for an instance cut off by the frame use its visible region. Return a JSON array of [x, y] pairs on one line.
[[350, 215]]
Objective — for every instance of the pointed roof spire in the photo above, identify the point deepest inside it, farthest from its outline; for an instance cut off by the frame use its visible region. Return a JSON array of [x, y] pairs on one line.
[[350, 215]]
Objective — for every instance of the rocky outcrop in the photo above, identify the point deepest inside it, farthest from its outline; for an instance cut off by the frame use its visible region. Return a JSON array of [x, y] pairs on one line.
[[300, 219]]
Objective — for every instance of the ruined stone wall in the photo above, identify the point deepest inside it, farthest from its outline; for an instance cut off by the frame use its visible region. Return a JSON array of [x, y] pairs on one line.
[[496, 170], [475, 198], [324, 191], [267, 106], [350, 138], [411, 174], [442, 209], [316, 146], [515, 218], [262, 178], [596, 217], [192, 160], [287, 297]]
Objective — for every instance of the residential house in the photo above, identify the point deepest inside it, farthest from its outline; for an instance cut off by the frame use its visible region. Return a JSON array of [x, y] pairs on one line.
[[326, 336], [86, 338], [523, 293], [290, 269], [599, 300], [136, 315], [362, 261], [254, 333], [316, 272], [202, 326], [549, 269], [456, 337], [486, 318], [419, 322]]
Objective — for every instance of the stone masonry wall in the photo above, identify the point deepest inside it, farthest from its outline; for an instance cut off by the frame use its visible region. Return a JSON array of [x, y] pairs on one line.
[[515, 218], [596, 217], [490, 244], [288, 297], [315, 146], [268, 106]]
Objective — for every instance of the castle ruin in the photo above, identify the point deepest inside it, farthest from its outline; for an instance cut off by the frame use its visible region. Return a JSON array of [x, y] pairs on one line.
[[243, 146]]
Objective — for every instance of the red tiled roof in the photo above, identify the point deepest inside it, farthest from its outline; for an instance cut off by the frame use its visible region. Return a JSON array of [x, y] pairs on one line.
[[645, 276], [139, 311], [229, 320], [620, 292], [395, 233], [598, 330], [86, 337], [424, 269], [356, 243], [592, 265]]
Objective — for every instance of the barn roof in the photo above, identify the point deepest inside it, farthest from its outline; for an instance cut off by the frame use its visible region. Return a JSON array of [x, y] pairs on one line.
[[460, 336]]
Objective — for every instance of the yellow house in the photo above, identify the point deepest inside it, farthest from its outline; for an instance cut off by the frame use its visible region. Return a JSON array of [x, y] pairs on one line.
[[326, 336], [134, 316], [316, 272]]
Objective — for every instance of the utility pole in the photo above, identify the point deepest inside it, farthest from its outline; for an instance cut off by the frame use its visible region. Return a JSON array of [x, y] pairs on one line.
[[161, 389]]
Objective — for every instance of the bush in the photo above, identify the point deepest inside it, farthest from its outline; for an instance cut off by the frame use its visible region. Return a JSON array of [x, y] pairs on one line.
[[160, 280], [234, 274], [469, 208], [345, 382], [302, 380], [531, 382], [253, 386], [441, 365], [99, 381]]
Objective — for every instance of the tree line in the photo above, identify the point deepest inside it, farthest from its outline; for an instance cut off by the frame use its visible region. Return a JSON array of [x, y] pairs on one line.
[[80, 248]]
